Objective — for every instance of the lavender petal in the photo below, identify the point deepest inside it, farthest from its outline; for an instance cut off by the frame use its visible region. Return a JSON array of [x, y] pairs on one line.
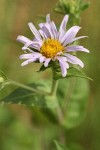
[[63, 24], [47, 62], [74, 60], [71, 33], [76, 48], [23, 39], [34, 31]]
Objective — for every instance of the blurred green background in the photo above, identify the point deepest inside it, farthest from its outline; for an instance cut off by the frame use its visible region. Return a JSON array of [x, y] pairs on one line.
[[23, 128]]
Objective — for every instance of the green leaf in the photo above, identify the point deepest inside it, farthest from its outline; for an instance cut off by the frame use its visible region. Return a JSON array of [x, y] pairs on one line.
[[71, 146], [60, 8], [60, 146], [3, 80], [75, 100], [43, 68], [72, 72], [75, 72], [41, 17], [74, 146], [29, 98], [85, 6], [23, 96]]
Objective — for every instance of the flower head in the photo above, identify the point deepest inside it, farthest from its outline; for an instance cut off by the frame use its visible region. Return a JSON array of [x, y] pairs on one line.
[[50, 44]]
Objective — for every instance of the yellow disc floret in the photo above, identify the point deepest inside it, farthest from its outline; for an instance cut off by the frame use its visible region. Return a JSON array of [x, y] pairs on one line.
[[51, 47]]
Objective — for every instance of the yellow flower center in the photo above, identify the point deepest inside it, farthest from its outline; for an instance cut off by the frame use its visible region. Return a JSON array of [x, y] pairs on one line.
[[51, 47]]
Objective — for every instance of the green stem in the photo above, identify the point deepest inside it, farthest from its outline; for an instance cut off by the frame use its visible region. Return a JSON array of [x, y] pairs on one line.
[[59, 112], [54, 87], [54, 83], [27, 87]]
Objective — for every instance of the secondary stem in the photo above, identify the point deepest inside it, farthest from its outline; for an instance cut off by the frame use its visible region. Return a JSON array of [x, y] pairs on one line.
[[27, 87]]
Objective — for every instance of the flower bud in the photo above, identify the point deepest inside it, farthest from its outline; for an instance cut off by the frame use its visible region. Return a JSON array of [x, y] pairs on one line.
[[1, 79]]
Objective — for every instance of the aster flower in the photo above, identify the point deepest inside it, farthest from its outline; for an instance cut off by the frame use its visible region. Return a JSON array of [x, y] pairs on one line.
[[50, 44]]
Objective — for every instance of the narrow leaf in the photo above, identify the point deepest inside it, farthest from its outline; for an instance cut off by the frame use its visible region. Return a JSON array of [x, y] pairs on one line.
[[85, 6], [72, 72], [3, 80], [74, 146], [60, 146]]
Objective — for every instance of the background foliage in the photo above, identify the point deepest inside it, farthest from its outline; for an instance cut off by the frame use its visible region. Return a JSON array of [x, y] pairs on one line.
[[26, 128]]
